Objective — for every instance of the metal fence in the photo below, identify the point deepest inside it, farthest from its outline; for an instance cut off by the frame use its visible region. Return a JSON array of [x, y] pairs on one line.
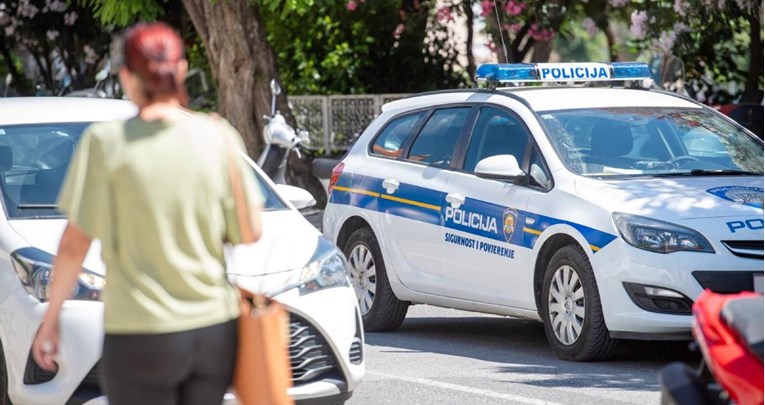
[[333, 122]]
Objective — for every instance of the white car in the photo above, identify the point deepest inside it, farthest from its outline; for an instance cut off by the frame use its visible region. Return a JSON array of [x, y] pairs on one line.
[[602, 211], [292, 259]]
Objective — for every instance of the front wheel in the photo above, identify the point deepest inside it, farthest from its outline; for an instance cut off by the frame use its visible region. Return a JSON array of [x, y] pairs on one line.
[[571, 311], [380, 309]]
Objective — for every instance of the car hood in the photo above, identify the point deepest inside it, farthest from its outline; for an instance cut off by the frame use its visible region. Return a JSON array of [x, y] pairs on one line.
[[677, 198], [288, 242]]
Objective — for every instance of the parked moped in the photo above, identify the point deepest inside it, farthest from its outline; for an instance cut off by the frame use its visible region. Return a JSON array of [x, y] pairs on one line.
[[728, 329], [281, 139]]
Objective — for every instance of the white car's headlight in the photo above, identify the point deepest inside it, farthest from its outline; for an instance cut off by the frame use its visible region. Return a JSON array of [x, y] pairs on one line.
[[327, 268], [659, 236], [33, 266]]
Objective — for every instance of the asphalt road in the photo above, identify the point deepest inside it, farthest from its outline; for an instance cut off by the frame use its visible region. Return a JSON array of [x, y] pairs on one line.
[[442, 356]]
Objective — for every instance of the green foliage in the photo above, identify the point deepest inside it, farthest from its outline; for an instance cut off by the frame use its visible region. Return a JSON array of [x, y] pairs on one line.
[[378, 47], [712, 38], [125, 12], [574, 44], [62, 38]]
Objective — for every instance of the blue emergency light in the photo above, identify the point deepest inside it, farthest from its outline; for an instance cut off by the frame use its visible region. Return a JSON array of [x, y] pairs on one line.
[[562, 72]]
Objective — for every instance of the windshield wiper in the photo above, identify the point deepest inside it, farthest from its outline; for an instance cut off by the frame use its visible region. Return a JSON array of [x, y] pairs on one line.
[[722, 172], [36, 206], [704, 172]]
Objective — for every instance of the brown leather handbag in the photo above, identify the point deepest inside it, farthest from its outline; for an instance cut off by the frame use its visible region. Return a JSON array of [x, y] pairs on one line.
[[262, 374]]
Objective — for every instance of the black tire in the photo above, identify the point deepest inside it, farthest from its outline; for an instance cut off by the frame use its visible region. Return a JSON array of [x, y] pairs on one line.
[[386, 312], [593, 342], [4, 398]]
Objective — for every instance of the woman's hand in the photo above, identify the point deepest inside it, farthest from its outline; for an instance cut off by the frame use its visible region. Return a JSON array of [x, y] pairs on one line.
[[66, 268], [45, 346]]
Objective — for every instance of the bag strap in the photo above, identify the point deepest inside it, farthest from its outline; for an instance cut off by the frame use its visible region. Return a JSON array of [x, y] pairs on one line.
[[234, 174]]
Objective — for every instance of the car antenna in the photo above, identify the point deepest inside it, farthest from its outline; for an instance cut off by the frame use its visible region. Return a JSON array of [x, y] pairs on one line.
[[501, 37]]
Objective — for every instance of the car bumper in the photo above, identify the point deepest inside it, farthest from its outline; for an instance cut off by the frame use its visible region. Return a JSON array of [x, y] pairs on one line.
[[79, 350], [686, 273], [330, 316], [333, 316]]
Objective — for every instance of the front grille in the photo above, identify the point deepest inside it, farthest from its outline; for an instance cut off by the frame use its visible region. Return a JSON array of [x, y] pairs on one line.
[[310, 354], [726, 282], [745, 248], [91, 380]]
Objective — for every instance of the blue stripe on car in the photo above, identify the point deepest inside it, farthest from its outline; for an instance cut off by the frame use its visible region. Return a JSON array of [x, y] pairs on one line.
[[428, 206]]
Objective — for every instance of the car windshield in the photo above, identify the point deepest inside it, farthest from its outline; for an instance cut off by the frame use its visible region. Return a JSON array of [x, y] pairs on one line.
[[33, 162], [651, 142]]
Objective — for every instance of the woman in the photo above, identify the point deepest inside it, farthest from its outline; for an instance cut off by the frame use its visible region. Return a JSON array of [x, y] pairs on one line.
[[155, 190]]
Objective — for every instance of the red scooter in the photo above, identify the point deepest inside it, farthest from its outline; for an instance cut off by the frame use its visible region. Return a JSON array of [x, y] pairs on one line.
[[728, 329]]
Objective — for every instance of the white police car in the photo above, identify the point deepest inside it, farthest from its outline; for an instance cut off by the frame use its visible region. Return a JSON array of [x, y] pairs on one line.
[[292, 260], [602, 211]]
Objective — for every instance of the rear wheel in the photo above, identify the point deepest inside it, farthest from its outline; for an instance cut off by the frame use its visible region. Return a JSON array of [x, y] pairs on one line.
[[380, 309], [572, 315], [4, 398]]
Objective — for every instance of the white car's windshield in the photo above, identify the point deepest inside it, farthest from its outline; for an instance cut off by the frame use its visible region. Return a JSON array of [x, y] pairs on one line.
[[651, 141], [33, 162]]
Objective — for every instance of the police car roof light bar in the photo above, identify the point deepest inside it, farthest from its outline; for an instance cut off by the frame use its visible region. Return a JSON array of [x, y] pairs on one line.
[[562, 72]]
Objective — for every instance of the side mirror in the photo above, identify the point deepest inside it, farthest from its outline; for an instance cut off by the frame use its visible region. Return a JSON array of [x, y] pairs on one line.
[[300, 198], [500, 167], [275, 91], [275, 88], [102, 75], [8, 80]]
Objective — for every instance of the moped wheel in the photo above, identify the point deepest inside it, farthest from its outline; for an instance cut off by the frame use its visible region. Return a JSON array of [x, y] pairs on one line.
[[572, 315], [380, 309]]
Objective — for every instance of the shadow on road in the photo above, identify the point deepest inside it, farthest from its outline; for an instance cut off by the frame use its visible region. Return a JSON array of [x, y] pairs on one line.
[[520, 347]]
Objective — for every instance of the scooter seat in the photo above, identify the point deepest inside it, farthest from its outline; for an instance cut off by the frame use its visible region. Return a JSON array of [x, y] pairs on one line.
[[322, 167], [745, 316]]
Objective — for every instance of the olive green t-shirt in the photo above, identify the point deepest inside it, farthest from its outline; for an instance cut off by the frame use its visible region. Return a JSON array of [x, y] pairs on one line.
[[159, 198]]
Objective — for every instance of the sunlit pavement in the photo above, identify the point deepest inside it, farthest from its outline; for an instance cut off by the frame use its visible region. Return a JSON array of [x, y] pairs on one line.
[[442, 356]]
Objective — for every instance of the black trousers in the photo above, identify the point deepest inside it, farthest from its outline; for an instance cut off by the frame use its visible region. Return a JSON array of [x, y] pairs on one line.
[[192, 367]]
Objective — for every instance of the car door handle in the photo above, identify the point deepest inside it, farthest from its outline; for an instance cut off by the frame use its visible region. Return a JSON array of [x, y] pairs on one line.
[[455, 199], [390, 185]]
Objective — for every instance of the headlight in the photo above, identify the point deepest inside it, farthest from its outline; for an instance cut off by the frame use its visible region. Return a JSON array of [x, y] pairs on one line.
[[33, 266], [659, 236], [327, 268]]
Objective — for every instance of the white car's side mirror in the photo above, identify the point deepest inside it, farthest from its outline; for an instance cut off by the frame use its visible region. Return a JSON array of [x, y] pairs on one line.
[[500, 167], [300, 198]]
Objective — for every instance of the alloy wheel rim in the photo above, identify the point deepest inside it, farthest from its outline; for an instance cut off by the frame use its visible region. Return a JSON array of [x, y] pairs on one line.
[[363, 276], [565, 303]]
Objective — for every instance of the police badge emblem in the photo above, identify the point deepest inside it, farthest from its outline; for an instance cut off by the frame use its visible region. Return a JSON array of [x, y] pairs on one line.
[[510, 218], [751, 196]]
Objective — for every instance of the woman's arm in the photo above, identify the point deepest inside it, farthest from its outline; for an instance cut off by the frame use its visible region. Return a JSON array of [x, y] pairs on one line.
[[66, 268]]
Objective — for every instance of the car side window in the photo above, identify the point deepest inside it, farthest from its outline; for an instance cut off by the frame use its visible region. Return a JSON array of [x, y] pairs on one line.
[[435, 143], [496, 133], [392, 139]]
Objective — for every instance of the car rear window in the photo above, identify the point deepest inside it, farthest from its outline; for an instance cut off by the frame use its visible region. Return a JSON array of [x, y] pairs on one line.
[[391, 140]]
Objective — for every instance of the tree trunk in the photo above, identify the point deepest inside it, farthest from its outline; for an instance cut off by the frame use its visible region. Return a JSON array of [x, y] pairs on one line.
[[243, 63], [468, 8], [542, 51], [752, 91]]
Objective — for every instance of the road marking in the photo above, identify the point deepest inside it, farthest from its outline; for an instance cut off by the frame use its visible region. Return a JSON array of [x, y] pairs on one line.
[[470, 390]]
